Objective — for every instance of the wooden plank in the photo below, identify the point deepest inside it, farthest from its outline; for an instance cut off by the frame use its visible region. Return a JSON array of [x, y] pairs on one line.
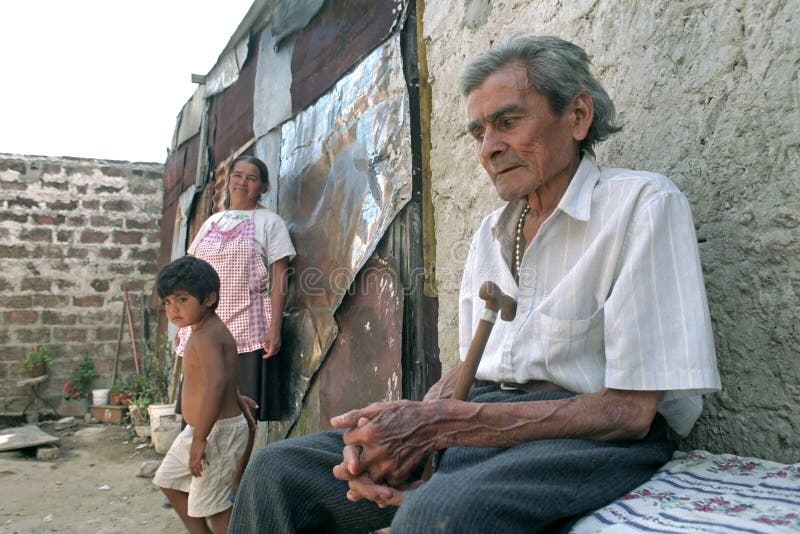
[[23, 437]]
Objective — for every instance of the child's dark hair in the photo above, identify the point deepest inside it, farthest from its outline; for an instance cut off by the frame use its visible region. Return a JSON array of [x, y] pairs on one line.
[[263, 171], [190, 274]]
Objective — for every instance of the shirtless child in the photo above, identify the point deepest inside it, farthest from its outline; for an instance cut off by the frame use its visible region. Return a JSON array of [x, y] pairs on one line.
[[197, 473]]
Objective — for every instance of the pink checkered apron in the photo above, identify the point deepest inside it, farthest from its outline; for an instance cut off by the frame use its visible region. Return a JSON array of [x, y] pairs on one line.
[[244, 305]]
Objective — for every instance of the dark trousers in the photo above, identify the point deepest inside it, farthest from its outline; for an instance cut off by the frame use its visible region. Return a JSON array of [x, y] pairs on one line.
[[537, 486]]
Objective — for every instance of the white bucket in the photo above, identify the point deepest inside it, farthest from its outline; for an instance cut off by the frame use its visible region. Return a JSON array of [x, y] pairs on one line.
[[165, 425], [99, 397]]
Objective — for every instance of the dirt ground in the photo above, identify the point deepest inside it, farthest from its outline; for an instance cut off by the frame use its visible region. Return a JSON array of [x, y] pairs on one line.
[[91, 487]]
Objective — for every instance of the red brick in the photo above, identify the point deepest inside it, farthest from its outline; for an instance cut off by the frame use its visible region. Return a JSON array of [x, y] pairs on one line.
[[5, 285], [81, 189], [13, 251], [69, 335], [15, 217], [42, 218], [77, 253], [92, 236], [135, 224], [61, 186], [52, 168], [144, 189], [128, 238], [89, 302], [50, 317], [21, 317], [22, 203], [12, 165], [12, 353], [118, 205], [38, 335], [90, 204], [35, 284], [112, 171], [106, 334], [20, 302], [63, 205], [147, 268], [136, 285], [110, 253], [64, 284], [101, 286], [99, 220], [50, 301], [12, 186], [77, 220], [107, 189], [148, 254], [37, 235], [64, 236]]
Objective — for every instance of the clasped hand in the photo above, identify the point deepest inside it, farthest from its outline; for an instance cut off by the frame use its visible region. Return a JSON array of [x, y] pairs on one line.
[[384, 443]]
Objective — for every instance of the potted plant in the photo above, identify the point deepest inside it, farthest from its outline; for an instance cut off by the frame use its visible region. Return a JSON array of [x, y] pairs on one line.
[[119, 394], [78, 389], [37, 361], [140, 390]]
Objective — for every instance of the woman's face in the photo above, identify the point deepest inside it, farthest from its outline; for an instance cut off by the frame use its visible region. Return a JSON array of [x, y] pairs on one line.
[[245, 186]]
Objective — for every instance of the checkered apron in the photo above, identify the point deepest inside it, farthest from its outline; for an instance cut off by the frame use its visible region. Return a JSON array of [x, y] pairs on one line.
[[244, 305]]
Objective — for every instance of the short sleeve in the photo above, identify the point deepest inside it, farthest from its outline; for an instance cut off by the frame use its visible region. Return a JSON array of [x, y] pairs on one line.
[[276, 242], [657, 322]]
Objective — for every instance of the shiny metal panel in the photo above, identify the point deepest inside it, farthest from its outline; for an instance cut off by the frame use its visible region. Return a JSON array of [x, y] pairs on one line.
[[345, 173]]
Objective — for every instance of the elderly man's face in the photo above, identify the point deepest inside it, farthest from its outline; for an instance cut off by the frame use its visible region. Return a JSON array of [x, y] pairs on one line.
[[520, 143]]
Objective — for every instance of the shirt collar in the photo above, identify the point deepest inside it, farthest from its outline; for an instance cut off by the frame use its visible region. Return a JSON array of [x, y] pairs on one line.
[[576, 202], [577, 199]]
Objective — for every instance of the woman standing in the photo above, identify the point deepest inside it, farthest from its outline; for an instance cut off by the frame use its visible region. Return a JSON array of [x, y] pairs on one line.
[[249, 247]]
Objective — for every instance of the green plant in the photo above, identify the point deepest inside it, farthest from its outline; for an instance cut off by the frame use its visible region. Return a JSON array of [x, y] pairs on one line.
[[79, 385], [38, 360], [152, 385]]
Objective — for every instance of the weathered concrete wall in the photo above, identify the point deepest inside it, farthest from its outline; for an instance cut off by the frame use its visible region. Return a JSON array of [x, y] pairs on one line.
[[708, 93], [73, 233]]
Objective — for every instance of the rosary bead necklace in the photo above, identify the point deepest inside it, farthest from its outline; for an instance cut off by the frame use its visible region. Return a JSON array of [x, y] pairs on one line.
[[520, 241]]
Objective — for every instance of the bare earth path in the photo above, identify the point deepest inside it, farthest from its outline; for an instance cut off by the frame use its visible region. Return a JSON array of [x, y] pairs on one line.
[[91, 487]]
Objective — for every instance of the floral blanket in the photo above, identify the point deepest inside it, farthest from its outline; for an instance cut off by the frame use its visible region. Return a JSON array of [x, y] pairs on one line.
[[702, 492]]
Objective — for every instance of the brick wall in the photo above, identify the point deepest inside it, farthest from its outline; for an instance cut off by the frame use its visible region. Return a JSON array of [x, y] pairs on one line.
[[73, 234]]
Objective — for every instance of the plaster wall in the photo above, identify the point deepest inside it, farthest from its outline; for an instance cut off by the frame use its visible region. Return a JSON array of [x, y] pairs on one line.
[[708, 93], [73, 233]]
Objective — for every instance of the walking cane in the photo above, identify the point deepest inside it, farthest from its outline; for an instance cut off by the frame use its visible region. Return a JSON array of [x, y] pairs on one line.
[[496, 301]]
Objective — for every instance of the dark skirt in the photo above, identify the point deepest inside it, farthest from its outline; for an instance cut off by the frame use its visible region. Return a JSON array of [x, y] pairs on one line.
[[259, 379]]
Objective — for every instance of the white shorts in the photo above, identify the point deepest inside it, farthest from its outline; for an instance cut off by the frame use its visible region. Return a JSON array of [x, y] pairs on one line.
[[209, 494]]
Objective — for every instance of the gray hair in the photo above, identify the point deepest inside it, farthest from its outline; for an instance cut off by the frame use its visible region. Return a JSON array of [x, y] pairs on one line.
[[557, 69]]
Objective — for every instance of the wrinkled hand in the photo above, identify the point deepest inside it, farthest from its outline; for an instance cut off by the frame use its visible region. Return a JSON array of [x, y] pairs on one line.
[[272, 342], [363, 488], [386, 441], [197, 453], [248, 405]]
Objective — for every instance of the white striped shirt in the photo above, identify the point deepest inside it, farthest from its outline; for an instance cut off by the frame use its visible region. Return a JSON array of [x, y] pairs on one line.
[[611, 294]]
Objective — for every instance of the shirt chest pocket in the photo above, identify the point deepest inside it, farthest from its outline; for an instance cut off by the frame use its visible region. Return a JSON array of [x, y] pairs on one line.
[[568, 350]]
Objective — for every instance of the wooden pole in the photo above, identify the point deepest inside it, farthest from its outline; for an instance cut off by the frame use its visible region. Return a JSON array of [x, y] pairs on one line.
[[130, 329]]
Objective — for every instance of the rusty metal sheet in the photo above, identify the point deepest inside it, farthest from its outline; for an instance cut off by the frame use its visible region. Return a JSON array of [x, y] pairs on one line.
[[345, 172], [364, 363], [180, 170], [230, 116], [292, 16], [342, 33]]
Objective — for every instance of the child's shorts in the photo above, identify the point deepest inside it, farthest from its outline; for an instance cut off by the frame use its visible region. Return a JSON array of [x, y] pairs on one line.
[[209, 493]]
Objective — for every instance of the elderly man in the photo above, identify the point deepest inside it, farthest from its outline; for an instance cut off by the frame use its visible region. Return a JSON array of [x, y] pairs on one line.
[[611, 346]]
